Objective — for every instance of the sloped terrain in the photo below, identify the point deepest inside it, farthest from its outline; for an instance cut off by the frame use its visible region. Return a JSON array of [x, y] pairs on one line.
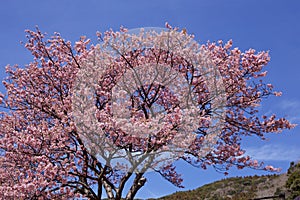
[[245, 188]]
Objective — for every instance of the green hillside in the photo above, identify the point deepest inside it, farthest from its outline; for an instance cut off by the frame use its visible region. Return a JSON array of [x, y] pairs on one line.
[[250, 187]]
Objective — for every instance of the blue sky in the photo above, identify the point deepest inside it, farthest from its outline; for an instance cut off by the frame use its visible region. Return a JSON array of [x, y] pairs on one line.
[[260, 24]]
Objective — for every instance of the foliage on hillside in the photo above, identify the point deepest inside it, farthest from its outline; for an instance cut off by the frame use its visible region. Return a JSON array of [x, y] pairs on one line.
[[245, 188], [237, 188], [293, 182]]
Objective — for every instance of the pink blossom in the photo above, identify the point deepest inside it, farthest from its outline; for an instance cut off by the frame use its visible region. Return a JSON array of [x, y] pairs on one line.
[[62, 142]]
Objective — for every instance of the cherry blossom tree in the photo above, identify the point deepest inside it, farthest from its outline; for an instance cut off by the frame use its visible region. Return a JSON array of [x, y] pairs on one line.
[[82, 121]]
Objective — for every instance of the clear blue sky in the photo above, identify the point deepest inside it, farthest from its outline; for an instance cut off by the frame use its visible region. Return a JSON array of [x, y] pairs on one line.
[[260, 24]]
